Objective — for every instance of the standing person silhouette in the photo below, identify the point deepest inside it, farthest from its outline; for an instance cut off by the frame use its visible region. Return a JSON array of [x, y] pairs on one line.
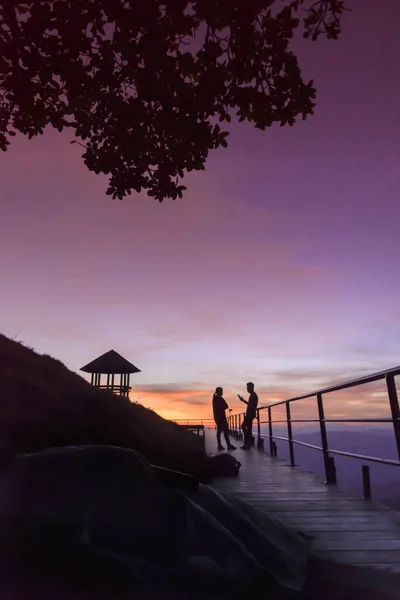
[[247, 425], [219, 408]]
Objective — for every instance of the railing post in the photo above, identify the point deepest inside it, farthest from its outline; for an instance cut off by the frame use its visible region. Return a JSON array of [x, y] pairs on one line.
[[258, 430], [271, 447], [290, 435], [366, 482], [329, 463], [394, 409]]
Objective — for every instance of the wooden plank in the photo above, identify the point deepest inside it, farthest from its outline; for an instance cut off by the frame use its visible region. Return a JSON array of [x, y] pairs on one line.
[[310, 485], [317, 503], [361, 556], [313, 495], [293, 506], [281, 485], [328, 536], [364, 518], [267, 498], [283, 492], [265, 476], [336, 526], [350, 544], [282, 488], [342, 524], [383, 567], [312, 519], [327, 511], [323, 514]]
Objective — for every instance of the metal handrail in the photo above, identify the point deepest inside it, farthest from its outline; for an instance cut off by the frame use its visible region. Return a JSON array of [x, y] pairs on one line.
[[330, 470], [341, 386]]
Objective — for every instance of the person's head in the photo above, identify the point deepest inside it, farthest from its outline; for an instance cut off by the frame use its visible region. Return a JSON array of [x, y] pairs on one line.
[[250, 387], [219, 391]]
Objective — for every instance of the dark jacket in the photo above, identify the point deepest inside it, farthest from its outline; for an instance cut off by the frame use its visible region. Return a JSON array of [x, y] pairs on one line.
[[219, 407], [252, 404]]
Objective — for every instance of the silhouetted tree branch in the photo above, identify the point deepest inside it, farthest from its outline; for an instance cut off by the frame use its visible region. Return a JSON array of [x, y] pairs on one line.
[[143, 83]]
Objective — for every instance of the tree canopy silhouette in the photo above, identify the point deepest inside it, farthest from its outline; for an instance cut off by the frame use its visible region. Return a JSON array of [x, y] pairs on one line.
[[149, 85]]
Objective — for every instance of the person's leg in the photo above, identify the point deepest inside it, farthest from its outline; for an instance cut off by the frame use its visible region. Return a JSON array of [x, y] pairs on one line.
[[250, 432], [245, 434], [227, 439], [219, 431], [218, 436]]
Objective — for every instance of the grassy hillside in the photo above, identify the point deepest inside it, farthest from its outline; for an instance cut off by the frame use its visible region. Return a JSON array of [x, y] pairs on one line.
[[43, 404]]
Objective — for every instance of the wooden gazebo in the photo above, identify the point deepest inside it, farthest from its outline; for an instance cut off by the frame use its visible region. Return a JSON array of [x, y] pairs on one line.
[[110, 364]]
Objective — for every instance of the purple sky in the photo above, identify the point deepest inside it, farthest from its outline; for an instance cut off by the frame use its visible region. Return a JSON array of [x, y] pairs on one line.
[[280, 265]]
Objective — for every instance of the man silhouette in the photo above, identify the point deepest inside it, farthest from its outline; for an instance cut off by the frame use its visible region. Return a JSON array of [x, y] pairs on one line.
[[247, 425], [219, 408]]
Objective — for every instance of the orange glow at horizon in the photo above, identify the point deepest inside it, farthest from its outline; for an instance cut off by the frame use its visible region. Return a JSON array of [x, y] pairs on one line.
[[176, 405], [367, 401]]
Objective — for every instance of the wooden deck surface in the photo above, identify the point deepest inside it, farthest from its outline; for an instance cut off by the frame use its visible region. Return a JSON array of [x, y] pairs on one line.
[[343, 528]]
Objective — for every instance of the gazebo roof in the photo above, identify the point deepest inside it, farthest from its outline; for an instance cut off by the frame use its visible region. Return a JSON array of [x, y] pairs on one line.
[[110, 362]]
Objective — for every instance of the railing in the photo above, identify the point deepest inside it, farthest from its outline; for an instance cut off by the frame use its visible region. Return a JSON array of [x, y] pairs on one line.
[[116, 388], [196, 426], [208, 423], [389, 375]]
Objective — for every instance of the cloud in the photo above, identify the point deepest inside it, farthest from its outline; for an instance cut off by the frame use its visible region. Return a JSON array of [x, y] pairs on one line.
[[170, 388], [174, 398], [318, 376]]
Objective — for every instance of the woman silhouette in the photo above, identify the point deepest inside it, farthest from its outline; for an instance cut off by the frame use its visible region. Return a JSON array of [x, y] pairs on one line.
[[219, 408]]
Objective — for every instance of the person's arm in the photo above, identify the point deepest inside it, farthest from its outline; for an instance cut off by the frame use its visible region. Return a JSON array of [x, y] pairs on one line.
[[242, 399], [225, 404]]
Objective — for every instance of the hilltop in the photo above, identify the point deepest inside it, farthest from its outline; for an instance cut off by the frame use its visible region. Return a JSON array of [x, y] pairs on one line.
[[44, 404]]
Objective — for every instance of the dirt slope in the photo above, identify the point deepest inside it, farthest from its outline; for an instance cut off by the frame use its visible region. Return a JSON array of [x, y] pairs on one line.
[[43, 404]]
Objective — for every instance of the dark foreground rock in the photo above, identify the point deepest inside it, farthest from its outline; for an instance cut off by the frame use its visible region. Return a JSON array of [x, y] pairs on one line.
[[98, 518], [98, 523]]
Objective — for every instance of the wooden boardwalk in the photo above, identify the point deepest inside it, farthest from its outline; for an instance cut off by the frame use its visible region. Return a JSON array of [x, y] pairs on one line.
[[343, 528]]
